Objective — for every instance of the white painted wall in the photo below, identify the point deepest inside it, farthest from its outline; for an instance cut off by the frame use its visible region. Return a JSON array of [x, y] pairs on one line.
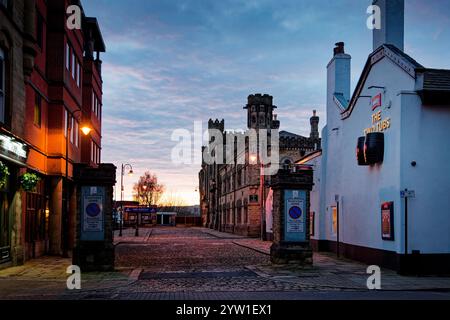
[[417, 133]]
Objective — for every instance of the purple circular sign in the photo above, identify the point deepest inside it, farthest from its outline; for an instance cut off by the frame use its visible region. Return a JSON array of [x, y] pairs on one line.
[[295, 212], [93, 210]]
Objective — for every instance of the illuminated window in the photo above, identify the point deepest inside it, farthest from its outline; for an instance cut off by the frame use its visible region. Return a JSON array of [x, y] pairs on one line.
[[37, 110], [334, 218], [66, 115], [72, 125], [77, 136]]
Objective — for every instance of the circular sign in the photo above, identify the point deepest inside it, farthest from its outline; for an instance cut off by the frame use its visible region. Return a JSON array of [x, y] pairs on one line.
[[93, 210], [295, 212]]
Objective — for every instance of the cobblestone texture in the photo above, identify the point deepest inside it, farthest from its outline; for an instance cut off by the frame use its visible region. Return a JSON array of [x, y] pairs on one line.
[[195, 263]]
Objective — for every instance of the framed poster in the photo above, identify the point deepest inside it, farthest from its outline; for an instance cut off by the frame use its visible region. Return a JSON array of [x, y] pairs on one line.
[[295, 216], [387, 221], [92, 214]]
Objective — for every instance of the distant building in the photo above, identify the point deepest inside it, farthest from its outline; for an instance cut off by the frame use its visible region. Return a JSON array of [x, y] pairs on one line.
[[386, 204], [231, 195]]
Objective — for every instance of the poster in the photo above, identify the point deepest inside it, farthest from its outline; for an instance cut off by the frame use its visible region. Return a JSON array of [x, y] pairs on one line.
[[295, 215], [92, 213], [387, 221]]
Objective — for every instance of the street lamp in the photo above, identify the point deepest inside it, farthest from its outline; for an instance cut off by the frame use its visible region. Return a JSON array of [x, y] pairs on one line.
[[130, 173], [86, 130]]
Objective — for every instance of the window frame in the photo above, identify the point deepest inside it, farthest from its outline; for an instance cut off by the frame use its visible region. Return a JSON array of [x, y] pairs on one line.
[[68, 56], [38, 108]]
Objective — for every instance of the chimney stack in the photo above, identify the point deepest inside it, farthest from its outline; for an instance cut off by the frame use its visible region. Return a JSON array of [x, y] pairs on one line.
[[392, 29]]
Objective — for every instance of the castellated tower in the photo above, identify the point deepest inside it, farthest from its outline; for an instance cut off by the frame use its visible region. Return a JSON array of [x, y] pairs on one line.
[[216, 124], [260, 111], [314, 126]]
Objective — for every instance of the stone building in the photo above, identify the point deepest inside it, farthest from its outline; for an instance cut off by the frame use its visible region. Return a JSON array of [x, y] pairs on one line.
[[50, 87], [232, 196]]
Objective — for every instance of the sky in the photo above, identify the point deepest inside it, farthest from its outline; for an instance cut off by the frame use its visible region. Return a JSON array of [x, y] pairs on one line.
[[170, 63]]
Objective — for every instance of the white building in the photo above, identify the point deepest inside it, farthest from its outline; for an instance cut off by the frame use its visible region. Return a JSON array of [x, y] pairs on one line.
[[410, 105]]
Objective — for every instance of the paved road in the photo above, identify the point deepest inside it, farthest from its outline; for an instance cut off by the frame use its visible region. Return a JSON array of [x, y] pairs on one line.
[[199, 264]]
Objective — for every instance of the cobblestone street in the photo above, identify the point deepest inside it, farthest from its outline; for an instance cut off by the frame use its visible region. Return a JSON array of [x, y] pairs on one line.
[[197, 263]]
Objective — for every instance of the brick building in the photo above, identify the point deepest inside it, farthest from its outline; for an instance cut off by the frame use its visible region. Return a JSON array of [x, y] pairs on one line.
[[51, 87], [231, 196]]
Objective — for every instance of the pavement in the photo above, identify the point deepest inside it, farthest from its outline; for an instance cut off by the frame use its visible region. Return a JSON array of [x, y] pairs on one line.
[[166, 263]]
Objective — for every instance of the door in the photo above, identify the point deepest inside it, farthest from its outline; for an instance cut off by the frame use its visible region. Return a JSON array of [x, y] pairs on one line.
[[5, 229]]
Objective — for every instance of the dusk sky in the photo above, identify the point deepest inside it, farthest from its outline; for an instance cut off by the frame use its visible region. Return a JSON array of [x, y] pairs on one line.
[[170, 63]]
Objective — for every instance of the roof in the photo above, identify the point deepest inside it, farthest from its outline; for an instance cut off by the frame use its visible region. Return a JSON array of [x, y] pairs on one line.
[[397, 56], [435, 79], [286, 134], [404, 55], [92, 24], [309, 157]]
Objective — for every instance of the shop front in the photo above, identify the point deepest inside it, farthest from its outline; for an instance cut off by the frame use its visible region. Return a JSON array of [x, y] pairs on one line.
[[13, 157]]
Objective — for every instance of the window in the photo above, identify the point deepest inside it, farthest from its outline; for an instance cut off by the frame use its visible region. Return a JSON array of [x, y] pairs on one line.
[[40, 30], [77, 136], [2, 86], [78, 75], [334, 218], [4, 3], [93, 101], [66, 115], [72, 127], [67, 57], [37, 110], [73, 64]]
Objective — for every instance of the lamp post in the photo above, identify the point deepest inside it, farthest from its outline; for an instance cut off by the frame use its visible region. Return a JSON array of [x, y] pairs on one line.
[[130, 173], [86, 130]]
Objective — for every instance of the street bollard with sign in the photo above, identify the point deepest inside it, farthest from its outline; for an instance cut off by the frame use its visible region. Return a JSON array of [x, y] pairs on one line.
[[291, 203]]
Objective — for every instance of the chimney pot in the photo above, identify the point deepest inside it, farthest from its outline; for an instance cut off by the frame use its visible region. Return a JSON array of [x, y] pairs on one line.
[[340, 48]]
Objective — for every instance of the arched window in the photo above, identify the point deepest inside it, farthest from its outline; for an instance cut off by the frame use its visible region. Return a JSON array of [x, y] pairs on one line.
[[2, 85]]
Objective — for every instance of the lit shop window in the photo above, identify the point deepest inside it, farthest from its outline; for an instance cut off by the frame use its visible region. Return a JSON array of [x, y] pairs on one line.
[[77, 136], [2, 86]]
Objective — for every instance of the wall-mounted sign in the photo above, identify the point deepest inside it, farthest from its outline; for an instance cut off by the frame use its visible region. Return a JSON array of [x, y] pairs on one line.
[[92, 215], [377, 102], [378, 123], [13, 149], [387, 221], [295, 215], [407, 194]]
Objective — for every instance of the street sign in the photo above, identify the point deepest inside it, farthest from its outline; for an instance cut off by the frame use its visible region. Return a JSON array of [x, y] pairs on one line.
[[407, 194]]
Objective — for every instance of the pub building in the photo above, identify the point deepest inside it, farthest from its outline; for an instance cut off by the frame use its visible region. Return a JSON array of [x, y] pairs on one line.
[[383, 175], [50, 88]]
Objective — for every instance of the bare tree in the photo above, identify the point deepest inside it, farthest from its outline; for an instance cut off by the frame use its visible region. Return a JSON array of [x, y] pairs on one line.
[[147, 190]]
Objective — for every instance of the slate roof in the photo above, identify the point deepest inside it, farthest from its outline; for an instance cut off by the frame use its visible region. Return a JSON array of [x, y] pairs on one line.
[[435, 79]]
